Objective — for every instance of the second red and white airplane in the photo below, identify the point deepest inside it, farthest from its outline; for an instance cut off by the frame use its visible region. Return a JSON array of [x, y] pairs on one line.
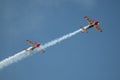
[[92, 23], [33, 46]]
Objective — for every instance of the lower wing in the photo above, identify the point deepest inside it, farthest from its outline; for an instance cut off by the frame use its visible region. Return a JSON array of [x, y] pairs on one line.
[[42, 51], [97, 28]]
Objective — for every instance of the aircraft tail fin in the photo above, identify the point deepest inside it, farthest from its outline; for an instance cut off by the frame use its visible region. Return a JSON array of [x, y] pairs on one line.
[[83, 29]]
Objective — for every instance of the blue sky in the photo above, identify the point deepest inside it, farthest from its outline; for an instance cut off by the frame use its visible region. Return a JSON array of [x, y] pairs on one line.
[[85, 56]]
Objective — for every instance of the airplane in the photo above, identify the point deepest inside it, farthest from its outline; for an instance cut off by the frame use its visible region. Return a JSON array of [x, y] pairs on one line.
[[33, 46], [92, 23]]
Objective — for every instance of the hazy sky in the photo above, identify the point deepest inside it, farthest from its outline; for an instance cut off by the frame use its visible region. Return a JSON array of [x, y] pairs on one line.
[[85, 56]]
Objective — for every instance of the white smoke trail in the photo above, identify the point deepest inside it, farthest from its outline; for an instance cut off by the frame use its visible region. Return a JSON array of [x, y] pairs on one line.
[[51, 43], [12, 59], [23, 54]]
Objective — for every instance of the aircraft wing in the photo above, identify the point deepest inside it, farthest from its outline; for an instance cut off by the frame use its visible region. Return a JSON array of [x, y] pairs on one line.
[[98, 28], [42, 51], [33, 44], [88, 20]]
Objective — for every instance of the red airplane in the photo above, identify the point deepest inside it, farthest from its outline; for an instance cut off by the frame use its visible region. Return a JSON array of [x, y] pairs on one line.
[[92, 23], [33, 46]]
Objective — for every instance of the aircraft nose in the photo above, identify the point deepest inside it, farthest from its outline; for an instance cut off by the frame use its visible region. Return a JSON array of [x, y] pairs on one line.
[[38, 45], [97, 22]]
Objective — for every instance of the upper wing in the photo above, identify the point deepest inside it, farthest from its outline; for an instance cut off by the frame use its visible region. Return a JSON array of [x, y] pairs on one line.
[[98, 28], [33, 44], [88, 20]]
